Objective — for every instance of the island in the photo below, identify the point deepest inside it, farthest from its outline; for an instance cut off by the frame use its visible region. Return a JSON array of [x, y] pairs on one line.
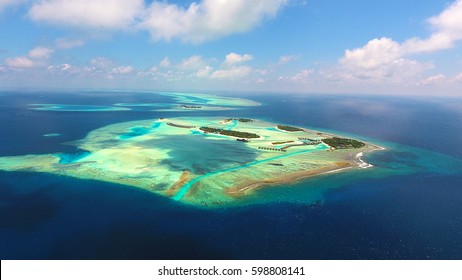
[[289, 128], [343, 143], [204, 161], [233, 133]]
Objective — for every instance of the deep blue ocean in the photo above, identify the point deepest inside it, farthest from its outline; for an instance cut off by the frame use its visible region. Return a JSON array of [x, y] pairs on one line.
[[409, 206]]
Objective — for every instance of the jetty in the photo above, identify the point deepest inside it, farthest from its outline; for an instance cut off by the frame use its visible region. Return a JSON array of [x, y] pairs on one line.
[[272, 149], [180, 126], [191, 106]]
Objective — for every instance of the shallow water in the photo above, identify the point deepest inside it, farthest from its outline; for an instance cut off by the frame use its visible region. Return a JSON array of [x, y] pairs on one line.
[[195, 153], [407, 207]]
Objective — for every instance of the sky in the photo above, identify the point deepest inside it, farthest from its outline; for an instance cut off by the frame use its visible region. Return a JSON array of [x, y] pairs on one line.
[[396, 47]]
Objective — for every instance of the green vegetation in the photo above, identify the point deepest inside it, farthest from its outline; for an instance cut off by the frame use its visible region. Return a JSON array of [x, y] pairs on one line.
[[343, 143], [240, 120], [245, 120], [233, 133], [289, 128]]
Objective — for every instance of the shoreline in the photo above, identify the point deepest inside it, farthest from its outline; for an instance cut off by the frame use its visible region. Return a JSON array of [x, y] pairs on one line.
[[358, 158], [134, 162], [243, 189], [351, 162]]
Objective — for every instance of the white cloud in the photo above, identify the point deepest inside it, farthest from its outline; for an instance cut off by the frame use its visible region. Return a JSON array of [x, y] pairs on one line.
[[400, 70], [171, 76], [436, 42], [234, 58], [35, 57], [458, 77], [286, 59], [204, 72], [165, 62], [122, 70], [302, 76], [448, 26], [200, 21], [232, 73], [20, 62], [198, 67], [379, 60], [97, 68], [40, 52], [375, 53], [192, 63], [385, 58], [436, 79], [63, 67], [101, 62], [112, 14], [207, 19], [5, 3], [65, 43]]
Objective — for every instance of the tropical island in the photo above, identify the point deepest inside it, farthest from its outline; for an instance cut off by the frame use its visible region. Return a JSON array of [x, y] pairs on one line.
[[289, 128], [343, 143], [198, 160], [232, 133]]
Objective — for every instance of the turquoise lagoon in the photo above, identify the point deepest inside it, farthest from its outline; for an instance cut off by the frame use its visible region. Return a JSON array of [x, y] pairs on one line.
[[408, 206]]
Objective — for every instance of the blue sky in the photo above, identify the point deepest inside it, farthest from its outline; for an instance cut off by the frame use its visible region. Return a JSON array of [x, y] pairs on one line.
[[335, 46]]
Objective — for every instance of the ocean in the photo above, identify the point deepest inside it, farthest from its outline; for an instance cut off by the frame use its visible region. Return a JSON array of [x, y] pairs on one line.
[[408, 206]]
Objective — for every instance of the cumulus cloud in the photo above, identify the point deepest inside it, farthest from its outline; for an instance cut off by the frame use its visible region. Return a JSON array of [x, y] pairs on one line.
[[97, 68], [204, 72], [384, 58], [101, 62], [200, 21], [207, 19], [122, 70], [203, 68], [20, 62], [192, 63], [234, 58], [448, 31], [231, 68], [60, 68], [112, 14], [232, 73], [435, 79], [35, 57], [396, 71], [40, 52], [375, 53], [379, 59], [302, 76]]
